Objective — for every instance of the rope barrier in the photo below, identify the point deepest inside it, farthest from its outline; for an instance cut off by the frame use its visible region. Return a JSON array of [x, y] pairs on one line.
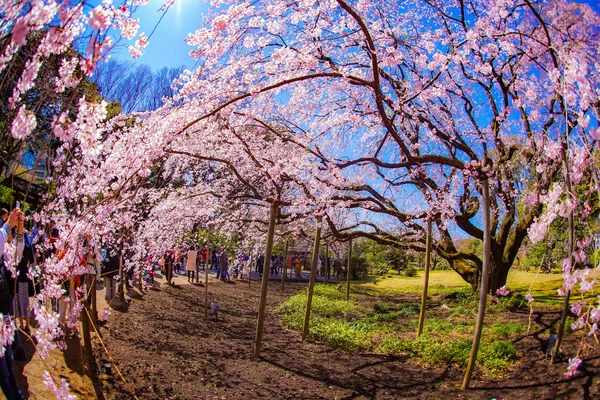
[[127, 384]]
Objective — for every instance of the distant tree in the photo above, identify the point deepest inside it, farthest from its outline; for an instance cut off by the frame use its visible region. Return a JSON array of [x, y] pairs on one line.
[[135, 86]]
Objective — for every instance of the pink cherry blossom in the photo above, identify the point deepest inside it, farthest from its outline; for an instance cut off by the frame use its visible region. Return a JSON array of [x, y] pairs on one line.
[[23, 124]]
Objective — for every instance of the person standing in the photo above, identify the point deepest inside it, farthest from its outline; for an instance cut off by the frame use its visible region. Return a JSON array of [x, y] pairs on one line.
[[223, 265], [8, 382], [169, 258], [191, 263], [22, 311], [110, 269]]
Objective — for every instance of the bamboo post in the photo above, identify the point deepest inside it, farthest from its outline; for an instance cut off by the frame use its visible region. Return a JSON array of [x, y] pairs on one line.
[[311, 282], [348, 270], [425, 279], [88, 351], [326, 263], [265, 281], [284, 269], [122, 278], [94, 302], [198, 265], [484, 283], [208, 254]]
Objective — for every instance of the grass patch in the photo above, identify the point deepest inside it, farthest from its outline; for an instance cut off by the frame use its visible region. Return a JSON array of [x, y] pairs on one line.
[[506, 330], [461, 311], [438, 326]]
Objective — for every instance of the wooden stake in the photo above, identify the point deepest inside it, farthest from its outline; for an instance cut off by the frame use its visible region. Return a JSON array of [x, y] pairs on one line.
[[485, 274], [311, 282], [285, 253], [348, 270], [208, 254], [425, 279], [265, 281]]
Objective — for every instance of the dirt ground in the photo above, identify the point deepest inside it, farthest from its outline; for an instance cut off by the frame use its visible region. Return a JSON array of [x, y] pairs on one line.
[[166, 349]]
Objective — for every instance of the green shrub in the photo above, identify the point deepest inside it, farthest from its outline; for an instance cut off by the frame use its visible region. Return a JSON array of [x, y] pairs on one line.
[[436, 351], [410, 271], [381, 269], [497, 356], [507, 329]]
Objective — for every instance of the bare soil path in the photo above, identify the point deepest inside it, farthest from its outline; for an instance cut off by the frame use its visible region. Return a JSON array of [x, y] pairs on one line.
[[167, 350]]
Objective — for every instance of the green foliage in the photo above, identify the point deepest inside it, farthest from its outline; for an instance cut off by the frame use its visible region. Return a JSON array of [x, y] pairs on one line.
[[568, 322], [321, 305], [461, 310], [512, 302], [326, 324], [497, 356], [328, 291], [435, 351], [410, 271], [438, 325], [507, 329], [337, 333], [394, 346], [388, 312], [381, 269], [466, 296]]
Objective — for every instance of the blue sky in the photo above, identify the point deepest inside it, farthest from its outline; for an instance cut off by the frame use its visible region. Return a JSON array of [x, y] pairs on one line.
[[166, 47]]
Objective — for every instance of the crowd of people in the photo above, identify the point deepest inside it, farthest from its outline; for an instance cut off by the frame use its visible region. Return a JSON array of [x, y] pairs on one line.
[[23, 245], [29, 245]]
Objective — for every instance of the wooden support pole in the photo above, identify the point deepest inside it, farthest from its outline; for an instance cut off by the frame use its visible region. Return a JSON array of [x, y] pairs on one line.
[[208, 254], [348, 270], [284, 267], [88, 351], [485, 275], [265, 281], [311, 282], [122, 278], [425, 279]]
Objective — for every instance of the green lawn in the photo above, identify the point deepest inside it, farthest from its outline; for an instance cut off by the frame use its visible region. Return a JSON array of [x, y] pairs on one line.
[[543, 286]]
